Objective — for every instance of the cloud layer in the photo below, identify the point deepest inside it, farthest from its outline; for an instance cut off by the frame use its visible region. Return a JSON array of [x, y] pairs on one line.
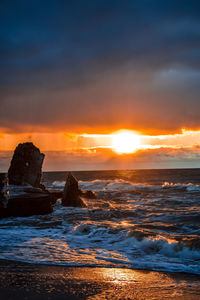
[[99, 65], [107, 160]]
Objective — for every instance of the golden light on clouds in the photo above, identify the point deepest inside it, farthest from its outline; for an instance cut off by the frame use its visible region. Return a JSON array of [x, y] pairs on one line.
[[120, 142], [123, 149], [125, 141], [128, 141]]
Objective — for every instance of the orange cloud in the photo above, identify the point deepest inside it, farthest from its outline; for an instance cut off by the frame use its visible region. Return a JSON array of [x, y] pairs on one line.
[[62, 141]]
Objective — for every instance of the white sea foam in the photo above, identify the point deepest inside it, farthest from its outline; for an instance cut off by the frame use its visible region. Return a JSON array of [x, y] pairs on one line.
[[58, 184], [114, 185], [189, 186], [89, 244], [124, 185]]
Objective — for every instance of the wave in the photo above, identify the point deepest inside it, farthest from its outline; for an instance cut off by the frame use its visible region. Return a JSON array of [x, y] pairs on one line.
[[130, 224], [190, 187], [96, 244], [108, 185], [124, 185]]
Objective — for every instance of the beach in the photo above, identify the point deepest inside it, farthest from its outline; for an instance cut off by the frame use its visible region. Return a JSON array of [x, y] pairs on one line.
[[31, 281]]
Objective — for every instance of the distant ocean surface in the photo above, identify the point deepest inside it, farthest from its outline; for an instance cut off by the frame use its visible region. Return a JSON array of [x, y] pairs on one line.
[[141, 219]]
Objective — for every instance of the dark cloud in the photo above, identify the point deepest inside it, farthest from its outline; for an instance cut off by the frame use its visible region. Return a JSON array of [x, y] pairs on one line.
[[96, 64]]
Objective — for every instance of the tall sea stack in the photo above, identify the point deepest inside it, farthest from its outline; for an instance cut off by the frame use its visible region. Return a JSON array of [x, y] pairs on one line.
[[26, 165]]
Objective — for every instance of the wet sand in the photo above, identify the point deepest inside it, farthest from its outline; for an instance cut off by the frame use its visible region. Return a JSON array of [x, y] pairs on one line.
[[29, 281]]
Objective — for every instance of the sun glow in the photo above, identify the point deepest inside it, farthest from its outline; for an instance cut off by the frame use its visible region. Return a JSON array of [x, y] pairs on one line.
[[125, 141]]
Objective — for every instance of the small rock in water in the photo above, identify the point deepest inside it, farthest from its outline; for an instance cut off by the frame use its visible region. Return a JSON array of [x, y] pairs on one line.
[[26, 165], [71, 193]]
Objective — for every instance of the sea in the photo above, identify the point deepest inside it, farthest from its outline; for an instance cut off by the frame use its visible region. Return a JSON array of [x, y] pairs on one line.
[[140, 219]]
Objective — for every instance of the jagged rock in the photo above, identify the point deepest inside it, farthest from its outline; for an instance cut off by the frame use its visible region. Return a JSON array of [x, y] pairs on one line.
[[26, 201], [27, 196], [71, 196], [26, 165], [3, 191]]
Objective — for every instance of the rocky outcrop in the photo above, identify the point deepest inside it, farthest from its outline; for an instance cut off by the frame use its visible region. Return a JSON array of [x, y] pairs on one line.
[[26, 166], [71, 195], [26, 201], [26, 195], [3, 191]]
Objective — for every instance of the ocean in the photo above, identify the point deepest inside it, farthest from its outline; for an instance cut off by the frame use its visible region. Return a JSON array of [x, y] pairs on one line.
[[140, 219]]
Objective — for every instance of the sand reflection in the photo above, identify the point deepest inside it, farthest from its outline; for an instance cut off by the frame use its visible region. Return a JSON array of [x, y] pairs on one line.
[[119, 276]]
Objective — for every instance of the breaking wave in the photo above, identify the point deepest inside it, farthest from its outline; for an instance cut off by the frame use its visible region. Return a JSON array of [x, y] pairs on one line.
[[124, 185]]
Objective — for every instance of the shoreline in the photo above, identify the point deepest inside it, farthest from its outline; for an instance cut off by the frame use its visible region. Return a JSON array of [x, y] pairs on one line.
[[38, 281]]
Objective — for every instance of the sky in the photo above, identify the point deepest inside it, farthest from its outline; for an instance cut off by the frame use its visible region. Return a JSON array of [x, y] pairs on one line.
[[69, 68]]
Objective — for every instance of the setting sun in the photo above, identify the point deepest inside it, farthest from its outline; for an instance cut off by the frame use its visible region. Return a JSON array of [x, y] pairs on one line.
[[125, 142]]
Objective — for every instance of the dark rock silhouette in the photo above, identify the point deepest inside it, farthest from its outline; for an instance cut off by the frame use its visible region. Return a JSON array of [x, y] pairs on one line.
[[27, 196], [27, 201], [26, 165], [71, 195], [3, 191]]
